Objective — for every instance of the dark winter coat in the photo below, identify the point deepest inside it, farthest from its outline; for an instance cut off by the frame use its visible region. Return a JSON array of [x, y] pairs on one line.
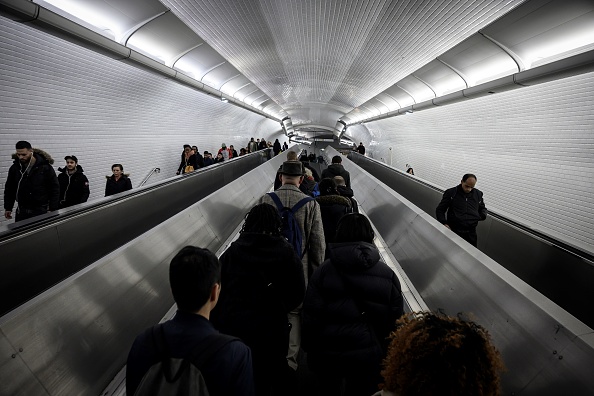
[[276, 147], [74, 188], [348, 193], [208, 161], [361, 149], [337, 170], [262, 280], [192, 160], [464, 211], [38, 187], [262, 145], [114, 187], [351, 305], [333, 207]]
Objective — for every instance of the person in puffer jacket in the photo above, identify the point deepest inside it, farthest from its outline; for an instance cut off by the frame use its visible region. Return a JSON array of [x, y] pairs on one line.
[[31, 182], [351, 305], [332, 207]]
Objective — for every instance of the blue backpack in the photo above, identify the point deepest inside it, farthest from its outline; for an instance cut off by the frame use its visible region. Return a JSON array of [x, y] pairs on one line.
[[290, 228]]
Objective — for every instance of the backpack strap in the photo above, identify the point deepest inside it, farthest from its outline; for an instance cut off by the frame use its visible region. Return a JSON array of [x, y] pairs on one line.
[[208, 348], [300, 204], [277, 201], [205, 350]]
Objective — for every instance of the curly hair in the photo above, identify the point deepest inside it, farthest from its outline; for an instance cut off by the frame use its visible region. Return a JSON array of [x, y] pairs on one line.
[[435, 354], [264, 219]]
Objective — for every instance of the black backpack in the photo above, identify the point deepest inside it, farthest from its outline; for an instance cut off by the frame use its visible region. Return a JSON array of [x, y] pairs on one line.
[[291, 229], [174, 376]]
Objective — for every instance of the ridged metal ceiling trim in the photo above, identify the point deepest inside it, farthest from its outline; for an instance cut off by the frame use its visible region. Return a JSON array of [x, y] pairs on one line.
[[178, 57], [455, 70], [575, 65], [134, 29], [507, 50]]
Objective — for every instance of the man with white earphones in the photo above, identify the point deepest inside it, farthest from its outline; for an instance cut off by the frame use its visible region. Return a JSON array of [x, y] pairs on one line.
[[31, 182]]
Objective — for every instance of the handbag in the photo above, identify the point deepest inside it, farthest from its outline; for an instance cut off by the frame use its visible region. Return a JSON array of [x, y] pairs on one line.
[[188, 168]]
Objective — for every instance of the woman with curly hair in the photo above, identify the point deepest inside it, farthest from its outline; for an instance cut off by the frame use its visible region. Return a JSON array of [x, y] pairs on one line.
[[435, 354]]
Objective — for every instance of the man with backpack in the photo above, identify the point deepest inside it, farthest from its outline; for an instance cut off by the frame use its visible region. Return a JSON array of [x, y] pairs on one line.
[[302, 226], [186, 355]]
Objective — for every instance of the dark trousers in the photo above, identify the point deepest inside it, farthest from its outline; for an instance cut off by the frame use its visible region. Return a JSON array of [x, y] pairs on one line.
[[27, 213], [469, 235]]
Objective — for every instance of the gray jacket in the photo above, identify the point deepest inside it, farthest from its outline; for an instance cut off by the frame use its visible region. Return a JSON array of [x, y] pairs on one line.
[[310, 222]]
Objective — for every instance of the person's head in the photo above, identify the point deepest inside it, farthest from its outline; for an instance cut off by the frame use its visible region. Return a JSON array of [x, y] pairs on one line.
[[435, 354], [195, 278], [337, 159], [468, 182], [308, 173], [195, 149], [242, 151], [117, 170], [257, 140], [291, 172], [187, 148], [291, 156], [263, 219], [354, 227], [24, 151], [71, 162], [339, 181], [220, 156], [252, 140], [360, 143], [223, 146], [410, 171], [327, 186], [231, 147]]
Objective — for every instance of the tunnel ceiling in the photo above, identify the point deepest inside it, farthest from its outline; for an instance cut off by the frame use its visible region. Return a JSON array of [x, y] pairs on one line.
[[317, 62]]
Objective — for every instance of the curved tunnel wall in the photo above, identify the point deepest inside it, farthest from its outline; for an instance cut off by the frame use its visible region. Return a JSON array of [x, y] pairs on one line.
[[530, 148], [67, 100]]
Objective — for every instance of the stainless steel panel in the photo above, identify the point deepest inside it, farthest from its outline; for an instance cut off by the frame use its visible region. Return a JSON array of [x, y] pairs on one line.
[[548, 268], [70, 243], [547, 350], [76, 336]]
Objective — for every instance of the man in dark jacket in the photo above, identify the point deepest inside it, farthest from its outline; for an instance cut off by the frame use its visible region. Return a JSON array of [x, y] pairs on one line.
[[361, 148], [465, 208], [344, 191], [32, 182], [74, 185], [195, 277], [336, 169]]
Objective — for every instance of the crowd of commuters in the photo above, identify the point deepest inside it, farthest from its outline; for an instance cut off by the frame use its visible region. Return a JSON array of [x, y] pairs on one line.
[[326, 292], [331, 298], [33, 185]]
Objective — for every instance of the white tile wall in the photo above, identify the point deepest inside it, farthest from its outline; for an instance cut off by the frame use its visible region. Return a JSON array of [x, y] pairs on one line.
[[69, 100], [532, 150]]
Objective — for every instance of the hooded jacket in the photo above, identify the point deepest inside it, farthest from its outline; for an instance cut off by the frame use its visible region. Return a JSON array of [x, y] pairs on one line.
[[74, 188], [337, 170], [33, 186], [114, 187], [332, 207], [348, 193], [351, 305]]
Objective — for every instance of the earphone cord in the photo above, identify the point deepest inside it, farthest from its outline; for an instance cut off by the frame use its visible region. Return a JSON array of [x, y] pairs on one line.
[[21, 179]]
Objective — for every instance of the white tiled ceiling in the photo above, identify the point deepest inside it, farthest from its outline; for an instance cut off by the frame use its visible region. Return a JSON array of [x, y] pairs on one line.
[[332, 55]]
